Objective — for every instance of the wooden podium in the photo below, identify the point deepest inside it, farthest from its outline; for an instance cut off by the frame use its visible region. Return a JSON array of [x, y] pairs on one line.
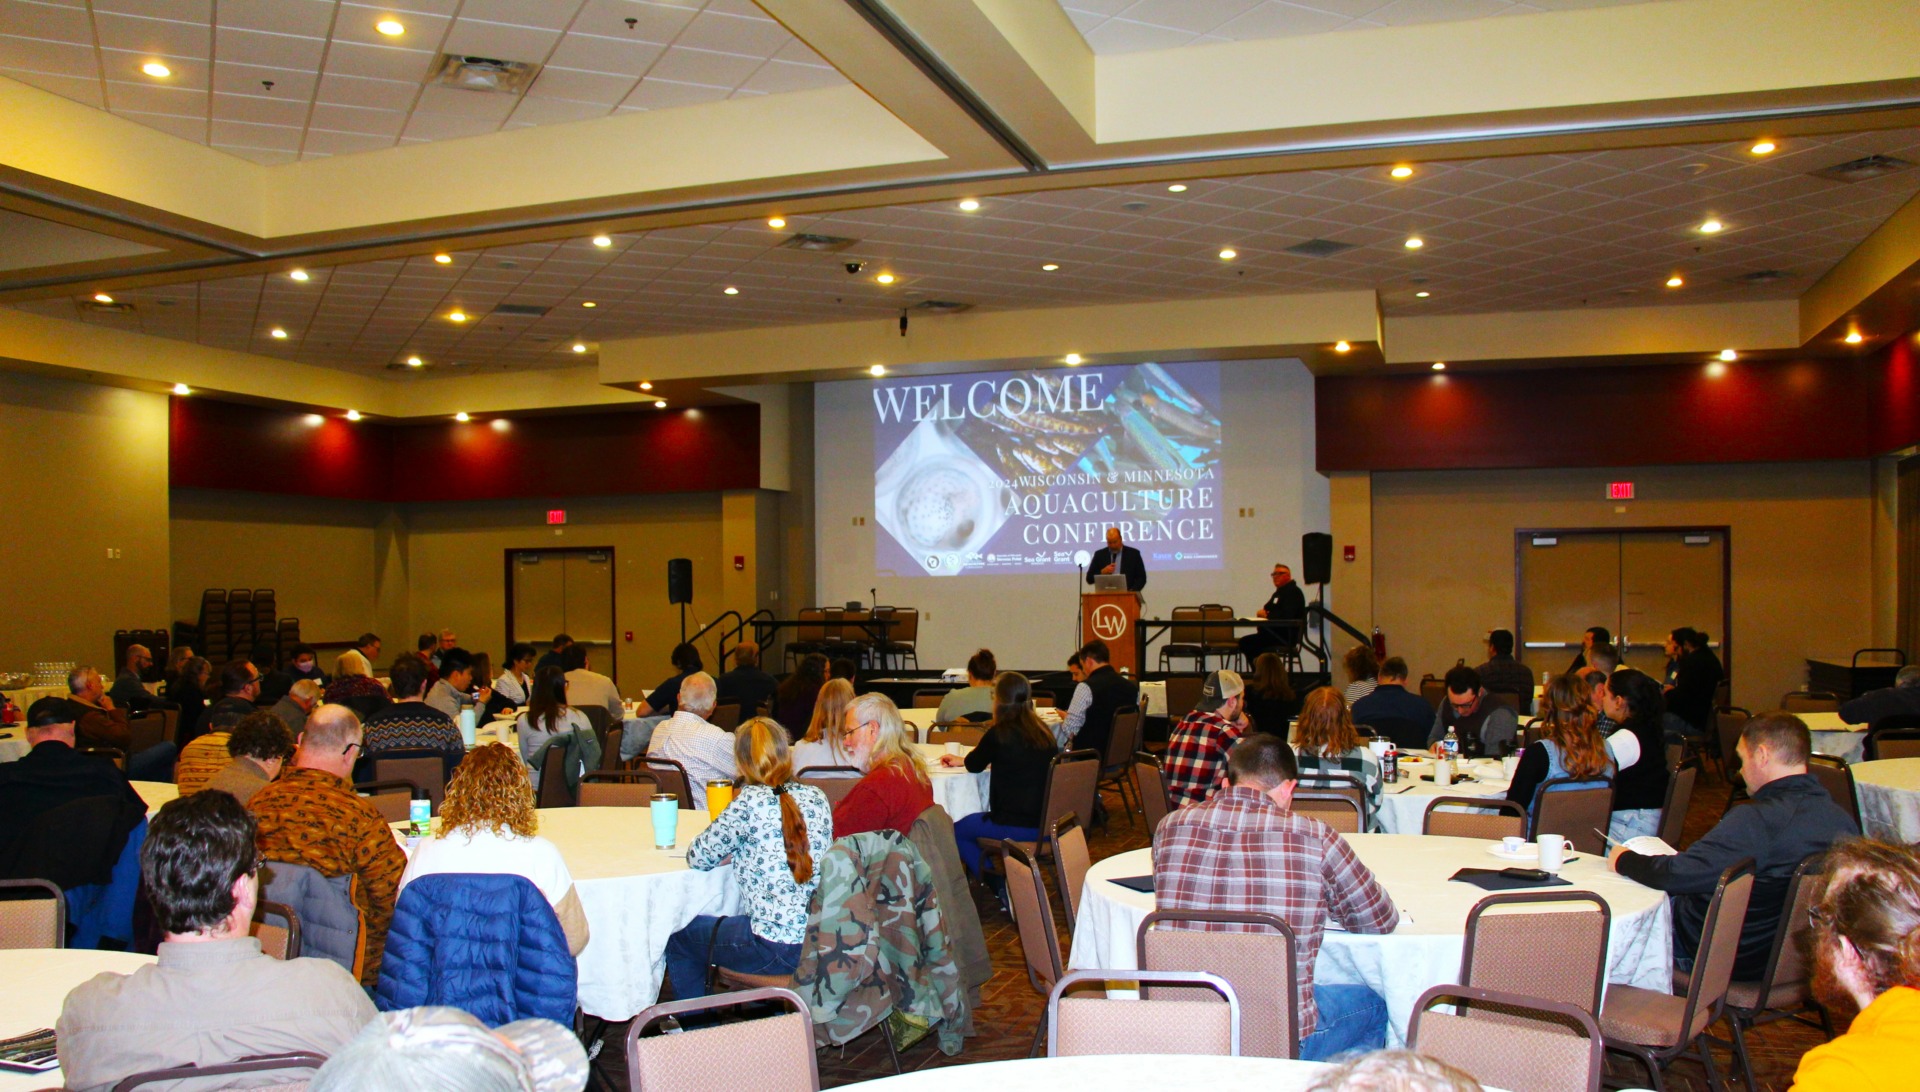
[[1113, 617]]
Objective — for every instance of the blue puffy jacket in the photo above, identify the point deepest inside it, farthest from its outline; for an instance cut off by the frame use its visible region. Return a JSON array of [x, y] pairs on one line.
[[489, 944]]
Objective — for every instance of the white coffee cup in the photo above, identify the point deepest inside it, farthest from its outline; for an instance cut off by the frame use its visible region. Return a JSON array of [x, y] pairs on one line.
[[1379, 747], [953, 749], [1442, 772], [1553, 851], [1512, 843]]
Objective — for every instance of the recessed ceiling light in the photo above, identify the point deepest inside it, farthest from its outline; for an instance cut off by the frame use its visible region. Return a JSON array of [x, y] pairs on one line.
[[731, 290], [1073, 358], [102, 297], [315, 419], [462, 416], [1675, 281], [298, 274], [661, 404], [877, 369], [1423, 294], [1402, 171], [1709, 226], [602, 240], [1228, 254], [1854, 337], [579, 346], [392, 28], [588, 303], [182, 389], [1729, 354], [969, 205], [456, 316], [1049, 267], [1177, 187], [1342, 347], [499, 424], [777, 222], [353, 415], [278, 333], [1763, 147], [413, 362], [645, 386], [885, 278], [157, 70], [1415, 242], [443, 259], [1439, 365]]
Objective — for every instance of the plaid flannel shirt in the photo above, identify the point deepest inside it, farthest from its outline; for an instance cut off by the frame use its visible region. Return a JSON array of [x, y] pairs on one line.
[[1196, 758], [1241, 851]]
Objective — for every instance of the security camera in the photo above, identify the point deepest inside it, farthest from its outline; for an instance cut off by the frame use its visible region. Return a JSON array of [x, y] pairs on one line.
[[855, 267]]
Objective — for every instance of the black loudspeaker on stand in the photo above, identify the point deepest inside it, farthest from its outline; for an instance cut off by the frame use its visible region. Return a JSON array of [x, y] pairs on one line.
[[680, 588], [1316, 558]]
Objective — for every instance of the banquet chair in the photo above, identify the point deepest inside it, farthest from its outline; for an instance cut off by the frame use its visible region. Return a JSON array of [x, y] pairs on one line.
[[394, 797], [1122, 742], [1836, 777], [1071, 860], [145, 730], [708, 1059], [1435, 691], [902, 636], [1342, 813], [1487, 817], [1220, 640], [1150, 785], [112, 754], [1033, 917], [618, 789], [672, 778], [1510, 700], [1887, 740], [256, 1063], [1505, 938], [1183, 693], [834, 781], [1673, 814], [725, 717], [554, 792], [929, 699], [1325, 782], [610, 749], [1044, 701], [1259, 965], [1071, 790], [967, 735], [1410, 736], [601, 719], [1149, 1025], [427, 769], [809, 636], [1185, 641], [1784, 991], [1533, 1054], [277, 928], [1656, 1027], [1810, 701], [33, 914], [1575, 813]]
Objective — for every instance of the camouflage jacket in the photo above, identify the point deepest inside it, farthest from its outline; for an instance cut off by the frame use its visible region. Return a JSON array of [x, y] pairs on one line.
[[877, 944]]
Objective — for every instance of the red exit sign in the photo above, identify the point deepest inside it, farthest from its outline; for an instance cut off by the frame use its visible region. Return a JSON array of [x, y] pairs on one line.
[[1619, 490], [557, 516]]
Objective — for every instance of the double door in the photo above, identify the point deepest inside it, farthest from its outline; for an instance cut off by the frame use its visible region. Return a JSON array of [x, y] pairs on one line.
[[566, 591], [1640, 584]]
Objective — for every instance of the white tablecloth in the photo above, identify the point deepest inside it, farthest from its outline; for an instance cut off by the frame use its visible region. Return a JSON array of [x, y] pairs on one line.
[[958, 792], [25, 696], [13, 744], [1424, 951], [920, 721], [1833, 736], [37, 982], [1160, 1072], [1403, 806], [1889, 798], [156, 793]]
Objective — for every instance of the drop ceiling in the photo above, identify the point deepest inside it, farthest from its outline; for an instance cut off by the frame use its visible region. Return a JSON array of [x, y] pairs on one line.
[[1129, 26], [274, 81], [1595, 229]]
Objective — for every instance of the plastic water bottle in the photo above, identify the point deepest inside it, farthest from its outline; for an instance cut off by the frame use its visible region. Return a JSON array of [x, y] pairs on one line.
[[1450, 746]]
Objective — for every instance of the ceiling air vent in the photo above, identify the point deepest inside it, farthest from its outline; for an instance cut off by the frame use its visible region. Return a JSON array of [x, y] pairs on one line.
[[520, 310], [825, 244], [1319, 248], [1761, 276], [486, 74], [941, 307], [1864, 168]]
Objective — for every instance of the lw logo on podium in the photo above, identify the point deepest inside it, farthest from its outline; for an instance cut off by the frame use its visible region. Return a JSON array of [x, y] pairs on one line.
[[1109, 622]]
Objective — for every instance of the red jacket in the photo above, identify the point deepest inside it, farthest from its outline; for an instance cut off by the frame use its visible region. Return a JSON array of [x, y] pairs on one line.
[[889, 797]]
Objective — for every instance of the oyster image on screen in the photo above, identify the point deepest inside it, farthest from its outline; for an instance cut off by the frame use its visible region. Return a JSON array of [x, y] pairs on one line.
[[938, 500]]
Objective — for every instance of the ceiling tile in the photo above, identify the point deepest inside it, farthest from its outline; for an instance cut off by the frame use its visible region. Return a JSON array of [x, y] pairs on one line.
[[705, 67], [430, 127], [44, 21], [455, 102], [359, 119], [658, 94], [379, 62], [595, 54], [262, 110], [84, 90], [595, 87], [153, 37], [306, 18], [359, 91], [188, 128], [502, 41], [777, 77], [151, 99]]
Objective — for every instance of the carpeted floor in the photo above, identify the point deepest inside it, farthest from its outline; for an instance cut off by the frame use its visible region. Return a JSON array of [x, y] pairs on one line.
[[1010, 1009]]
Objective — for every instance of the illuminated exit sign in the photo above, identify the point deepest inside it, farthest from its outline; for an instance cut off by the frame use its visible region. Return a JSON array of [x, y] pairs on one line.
[[557, 516], [1615, 491]]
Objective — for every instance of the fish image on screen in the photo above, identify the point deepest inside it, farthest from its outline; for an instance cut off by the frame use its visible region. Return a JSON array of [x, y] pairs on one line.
[[1023, 472]]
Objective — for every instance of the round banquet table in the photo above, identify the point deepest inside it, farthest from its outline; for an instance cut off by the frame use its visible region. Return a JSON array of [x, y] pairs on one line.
[[634, 897], [1889, 798], [13, 744], [38, 981], [957, 792], [1403, 806], [1833, 736], [1424, 950], [920, 721], [1160, 1072]]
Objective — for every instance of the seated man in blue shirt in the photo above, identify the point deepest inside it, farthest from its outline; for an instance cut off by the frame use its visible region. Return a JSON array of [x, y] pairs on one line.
[[1393, 711]]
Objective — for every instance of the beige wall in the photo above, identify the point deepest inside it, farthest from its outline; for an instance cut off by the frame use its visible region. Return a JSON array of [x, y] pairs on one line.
[[1803, 577], [85, 473]]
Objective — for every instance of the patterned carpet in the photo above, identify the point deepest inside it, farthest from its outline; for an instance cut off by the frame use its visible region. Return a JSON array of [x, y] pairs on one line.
[[1010, 1009]]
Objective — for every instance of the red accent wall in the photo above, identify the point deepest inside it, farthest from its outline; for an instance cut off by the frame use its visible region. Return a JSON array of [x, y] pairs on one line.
[[227, 445], [1621, 415]]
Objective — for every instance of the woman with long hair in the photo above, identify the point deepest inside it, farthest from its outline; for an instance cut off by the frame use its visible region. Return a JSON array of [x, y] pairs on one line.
[[822, 745], [1639, 748], [774, 832], [488, 824], [548, 715], [1270, 701], [188, 690], [1324, 739], [1019, 749], [1363, 672], [1571, 745], [793, 699], [895, 787]]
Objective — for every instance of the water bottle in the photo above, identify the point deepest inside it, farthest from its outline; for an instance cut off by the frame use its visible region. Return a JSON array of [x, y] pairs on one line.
[[1450, 746]]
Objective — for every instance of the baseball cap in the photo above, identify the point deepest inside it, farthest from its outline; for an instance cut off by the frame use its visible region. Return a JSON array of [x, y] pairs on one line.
[[49, 710], [436, 1046], [1220, 688]]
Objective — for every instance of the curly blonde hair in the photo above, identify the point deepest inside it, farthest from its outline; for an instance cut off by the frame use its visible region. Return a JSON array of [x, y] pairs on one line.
[[490, 791]]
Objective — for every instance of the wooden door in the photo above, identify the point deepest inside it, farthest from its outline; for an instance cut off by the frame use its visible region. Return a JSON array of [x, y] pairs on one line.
[[566, 591], [589, 605], [1670, 579], [539, 597], [1568, 582]]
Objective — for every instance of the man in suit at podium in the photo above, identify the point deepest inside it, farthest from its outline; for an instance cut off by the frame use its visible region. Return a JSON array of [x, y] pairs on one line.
[[1117, 558]]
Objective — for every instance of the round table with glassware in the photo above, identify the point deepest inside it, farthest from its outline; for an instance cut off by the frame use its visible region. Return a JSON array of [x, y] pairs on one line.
[[1889, 791], [1424, 949], [1403, 806], [37, 983]]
